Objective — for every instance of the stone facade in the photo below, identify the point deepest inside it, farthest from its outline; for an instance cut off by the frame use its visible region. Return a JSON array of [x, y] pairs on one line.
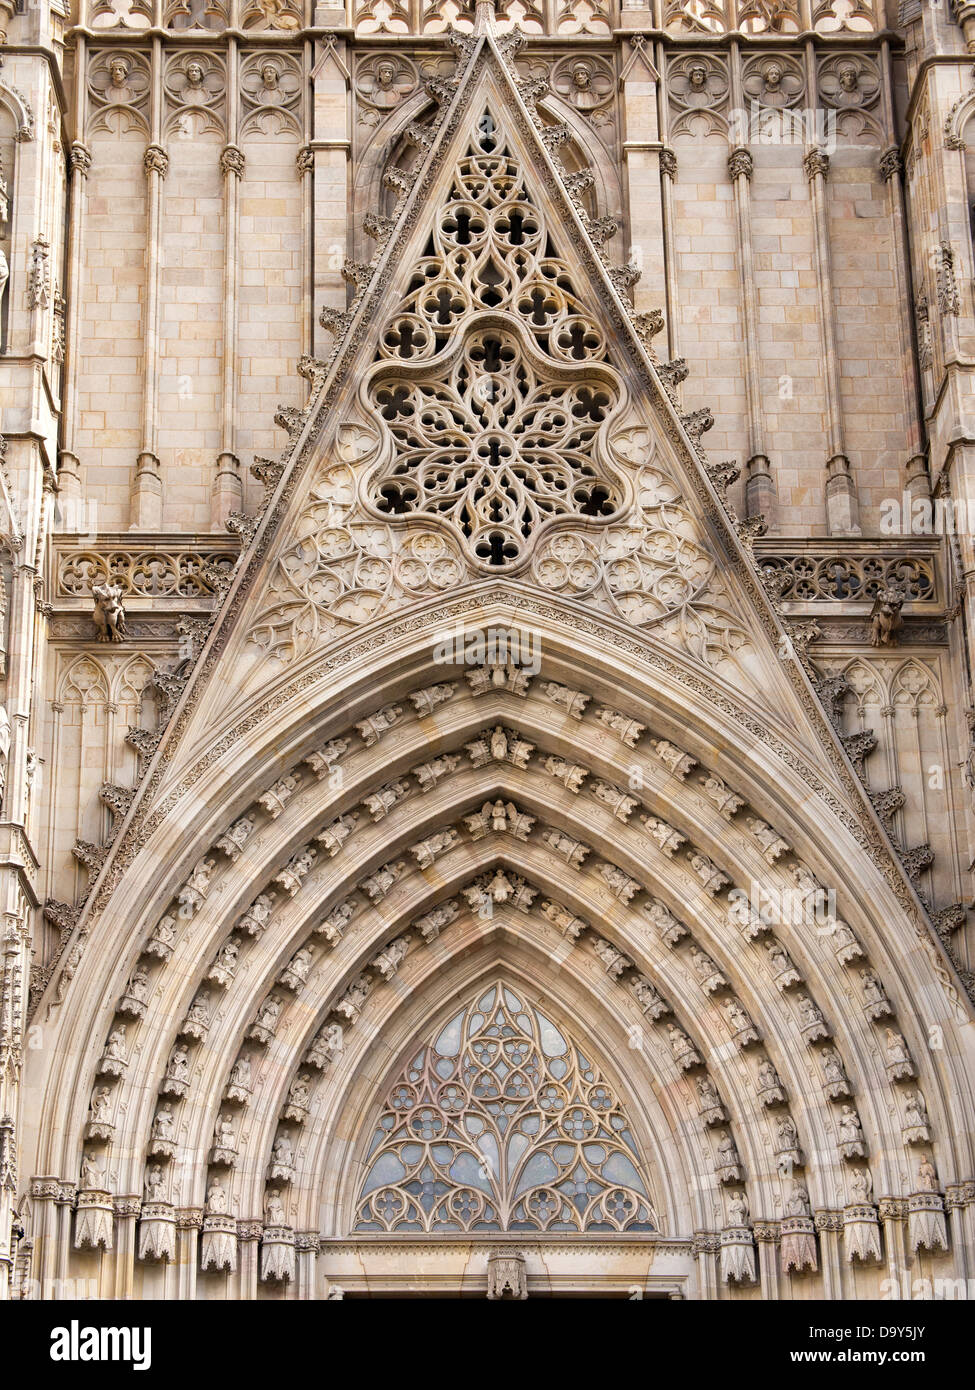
[[460, 833]]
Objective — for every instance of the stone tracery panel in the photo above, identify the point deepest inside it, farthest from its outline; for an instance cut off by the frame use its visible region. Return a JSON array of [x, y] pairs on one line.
[[495, 440], [501, 1122]]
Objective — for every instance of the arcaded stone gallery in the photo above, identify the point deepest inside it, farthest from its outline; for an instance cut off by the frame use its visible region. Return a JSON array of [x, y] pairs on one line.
[[487, 726]]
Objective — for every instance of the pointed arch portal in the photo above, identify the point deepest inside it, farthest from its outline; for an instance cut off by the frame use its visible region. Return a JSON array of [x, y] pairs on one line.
[[499, 896]]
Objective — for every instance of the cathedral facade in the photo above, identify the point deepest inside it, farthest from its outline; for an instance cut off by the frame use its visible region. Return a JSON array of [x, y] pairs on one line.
[[487, 728]]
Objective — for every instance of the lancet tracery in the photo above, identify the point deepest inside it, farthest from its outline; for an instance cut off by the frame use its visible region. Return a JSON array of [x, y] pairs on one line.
[[501, 1122]]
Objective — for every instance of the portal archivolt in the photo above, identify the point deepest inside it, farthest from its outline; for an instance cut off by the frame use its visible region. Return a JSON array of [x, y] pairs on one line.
[[778, 1064]]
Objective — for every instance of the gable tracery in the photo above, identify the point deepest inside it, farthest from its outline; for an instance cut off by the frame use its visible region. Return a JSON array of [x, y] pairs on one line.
[[493, 437]]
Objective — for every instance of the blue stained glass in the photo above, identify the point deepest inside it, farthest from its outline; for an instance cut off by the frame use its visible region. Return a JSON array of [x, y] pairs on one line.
[[448, 1042], [538, 1170], [466, 1171], [488, 1146], [517, 1145], [386, 1170], [553, 1043], [619, 1169]]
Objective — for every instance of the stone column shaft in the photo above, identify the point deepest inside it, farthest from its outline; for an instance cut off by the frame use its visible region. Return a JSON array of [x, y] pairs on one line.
[[227, 495], [146, 501]]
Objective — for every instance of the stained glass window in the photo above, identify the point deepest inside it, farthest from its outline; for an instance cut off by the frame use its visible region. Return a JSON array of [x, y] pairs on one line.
[[502, 1123]]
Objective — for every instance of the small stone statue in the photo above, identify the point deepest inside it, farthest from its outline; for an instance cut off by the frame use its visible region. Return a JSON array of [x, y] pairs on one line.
[[100, 1105], [224, 1136], [216, 1199], [240, 1074], [155, 1185], [767, 1076], [850, 1133], [274, 1212], [861, 1186], [92, 1175], [268, 1013], [786, 1133], [109, 615], [797, 1203], [811, 1014], [139, 985], [300, 1091], [283, 1151], [738, 1210], [915, 1118], [704, 966], [710, 1100], [163, 1126], [199, 1010], [115, 1049], [927, 1178], [179, 1064], [737, 1018], [228, 953], [726, 1161]]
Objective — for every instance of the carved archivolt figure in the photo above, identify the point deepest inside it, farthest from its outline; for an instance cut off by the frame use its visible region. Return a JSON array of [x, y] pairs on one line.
[[163, 1126], [216, 1198], [274, 1212], [179, 1064]]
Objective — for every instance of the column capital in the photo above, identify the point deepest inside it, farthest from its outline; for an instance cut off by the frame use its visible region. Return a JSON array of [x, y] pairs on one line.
[[155, 161], [232, 161], [740, 164], [80, 158], [816, 164]]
